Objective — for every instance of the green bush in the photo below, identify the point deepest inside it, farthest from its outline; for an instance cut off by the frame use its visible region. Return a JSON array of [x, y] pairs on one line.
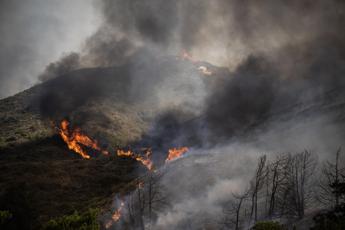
[[86, 221], [5, 216], [267, 225]]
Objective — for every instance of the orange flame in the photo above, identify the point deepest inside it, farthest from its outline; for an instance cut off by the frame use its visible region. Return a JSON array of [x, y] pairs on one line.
[[176, 153], [117, 214], [145, 160], [75, 139]]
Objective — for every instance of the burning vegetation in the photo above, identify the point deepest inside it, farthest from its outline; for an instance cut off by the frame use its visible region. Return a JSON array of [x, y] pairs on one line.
[[145, 160], [116, 216], [76, 139], [176, 153]]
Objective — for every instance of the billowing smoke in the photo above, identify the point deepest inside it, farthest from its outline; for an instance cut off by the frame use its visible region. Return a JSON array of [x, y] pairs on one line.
[[37, 32], [281, 89], [275, 61]]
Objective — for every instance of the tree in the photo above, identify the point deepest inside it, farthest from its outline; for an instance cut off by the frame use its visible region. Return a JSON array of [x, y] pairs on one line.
[[332, 189], [300, 180], [256, 185], [154, 193], [135, 208], [233, 209], [276, 181], [330, 184], [146, 200]]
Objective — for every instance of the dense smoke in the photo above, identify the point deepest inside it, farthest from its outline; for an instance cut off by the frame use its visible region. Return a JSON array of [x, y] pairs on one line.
[[276, 61], [286, 61], [299, 40], [37, 32], [281, 89]]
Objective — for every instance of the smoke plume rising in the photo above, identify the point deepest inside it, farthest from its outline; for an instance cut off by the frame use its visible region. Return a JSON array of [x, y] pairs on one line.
[[276, 85]]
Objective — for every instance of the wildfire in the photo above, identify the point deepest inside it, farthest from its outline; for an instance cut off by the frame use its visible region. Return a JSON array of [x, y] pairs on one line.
[[117, 214], [76, 139], [175, 153], [145, 160], [204, 70]]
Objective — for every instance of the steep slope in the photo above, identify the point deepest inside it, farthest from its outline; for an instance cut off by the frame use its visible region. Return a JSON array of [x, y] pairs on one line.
[[40, 178], [151, 102]]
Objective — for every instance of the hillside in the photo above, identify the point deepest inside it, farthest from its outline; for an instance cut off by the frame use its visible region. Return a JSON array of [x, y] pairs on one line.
[[149, 102], [40, 178]]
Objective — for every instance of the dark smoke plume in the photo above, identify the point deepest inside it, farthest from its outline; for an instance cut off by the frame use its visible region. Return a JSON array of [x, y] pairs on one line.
[[280, 87]]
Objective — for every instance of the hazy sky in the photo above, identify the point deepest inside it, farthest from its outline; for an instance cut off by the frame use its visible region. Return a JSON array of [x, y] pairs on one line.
[[37, 32]]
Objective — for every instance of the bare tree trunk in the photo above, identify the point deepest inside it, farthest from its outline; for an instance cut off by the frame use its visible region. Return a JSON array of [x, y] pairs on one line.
[[141, 201], [337, 177], [234, 210], [257, 185], [329, 183], [303, 165], [238, 210]]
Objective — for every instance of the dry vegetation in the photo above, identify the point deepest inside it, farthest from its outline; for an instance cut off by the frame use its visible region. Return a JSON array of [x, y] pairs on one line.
[[41, 179]]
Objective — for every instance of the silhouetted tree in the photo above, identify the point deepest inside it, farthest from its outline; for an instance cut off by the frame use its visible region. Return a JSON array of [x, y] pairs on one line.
[[233, 209], [147, 199], [298, 191], [277, 179], [256, 185], [331, 182]]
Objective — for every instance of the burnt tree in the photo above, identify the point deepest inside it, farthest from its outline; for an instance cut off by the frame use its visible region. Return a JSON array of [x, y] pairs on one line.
[[233, 210], [277, 179], [256, 184], [330, 183], [298, 191]]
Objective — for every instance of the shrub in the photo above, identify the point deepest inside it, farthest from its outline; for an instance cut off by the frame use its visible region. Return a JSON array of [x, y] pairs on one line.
[[86, 221], [5, 216], [267, 225]]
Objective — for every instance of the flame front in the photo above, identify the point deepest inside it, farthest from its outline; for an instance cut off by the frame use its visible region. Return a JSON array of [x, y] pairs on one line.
[[176, 153], [117, 214], [145, 160], [75, 139]]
